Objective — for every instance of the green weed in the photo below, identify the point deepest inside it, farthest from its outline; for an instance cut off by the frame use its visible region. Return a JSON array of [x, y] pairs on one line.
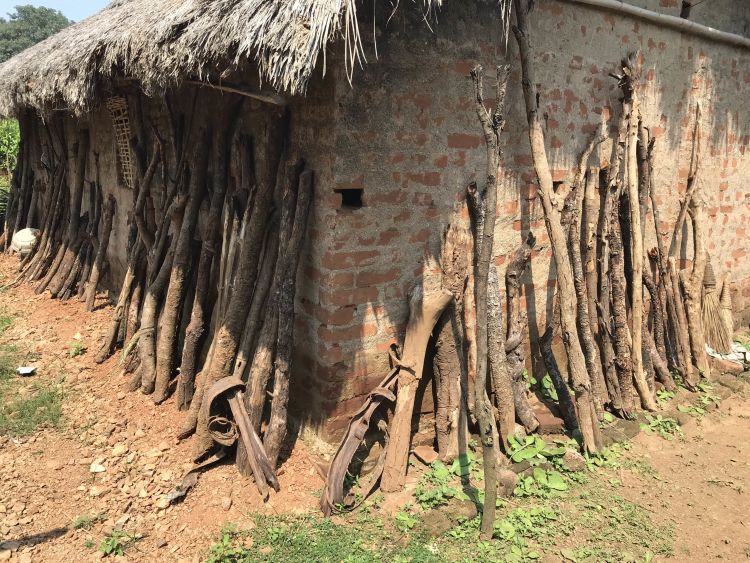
[[117, 543], [666, 427], [86, 522], [77, 348]]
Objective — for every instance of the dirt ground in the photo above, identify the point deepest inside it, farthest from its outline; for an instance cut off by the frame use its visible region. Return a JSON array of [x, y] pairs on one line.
[[113, 458]]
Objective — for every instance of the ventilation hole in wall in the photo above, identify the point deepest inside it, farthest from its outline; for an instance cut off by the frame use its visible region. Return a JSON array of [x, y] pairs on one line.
[[350, 199]]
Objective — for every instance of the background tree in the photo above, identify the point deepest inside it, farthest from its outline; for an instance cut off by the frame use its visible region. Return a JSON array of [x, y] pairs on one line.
[[27, 26]]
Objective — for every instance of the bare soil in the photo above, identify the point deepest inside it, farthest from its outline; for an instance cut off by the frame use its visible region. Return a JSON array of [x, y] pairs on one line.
[[695, 484]]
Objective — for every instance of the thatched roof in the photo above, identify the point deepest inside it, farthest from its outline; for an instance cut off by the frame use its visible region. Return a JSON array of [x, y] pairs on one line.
[[161, 42]]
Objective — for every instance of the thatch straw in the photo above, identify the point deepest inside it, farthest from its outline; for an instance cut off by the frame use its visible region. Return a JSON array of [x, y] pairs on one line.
[[162, 42], [725, 303], [717, 335]]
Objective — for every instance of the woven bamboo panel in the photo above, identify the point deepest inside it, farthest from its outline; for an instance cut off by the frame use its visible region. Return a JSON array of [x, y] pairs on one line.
[[118, 111]]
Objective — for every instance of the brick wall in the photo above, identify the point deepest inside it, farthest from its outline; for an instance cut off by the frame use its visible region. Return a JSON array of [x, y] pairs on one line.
[[406, 134]]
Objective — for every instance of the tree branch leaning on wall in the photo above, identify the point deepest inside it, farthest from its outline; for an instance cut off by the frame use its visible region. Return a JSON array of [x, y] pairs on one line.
[[588, 421]]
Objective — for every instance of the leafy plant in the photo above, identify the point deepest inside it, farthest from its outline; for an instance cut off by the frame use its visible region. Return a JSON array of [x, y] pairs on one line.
[[662, 395], [226, 550], [405, 521], [10, 139], [117, 543], [692, 410], [77, 348], [666, 427], [534, 450], [87, 521], [541, 483]]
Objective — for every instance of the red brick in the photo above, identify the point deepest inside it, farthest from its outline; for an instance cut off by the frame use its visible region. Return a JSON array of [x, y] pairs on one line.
[[344, 260], [344, 297], [426, 179], [366, 279], [337, 334], [464, 141]]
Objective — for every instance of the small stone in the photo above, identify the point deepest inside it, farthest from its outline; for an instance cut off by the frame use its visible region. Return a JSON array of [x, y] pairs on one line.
[[457, 509], [55, 465], [425, 454], [97, 468], [226, 503], [265, 550], [162, 503], [5, 554], [161, 542], [164, 446], [574, 461], [139, 433], [97, 491], [436, 523], [24, 558], [120, 449], [121, 395], [509, 480]]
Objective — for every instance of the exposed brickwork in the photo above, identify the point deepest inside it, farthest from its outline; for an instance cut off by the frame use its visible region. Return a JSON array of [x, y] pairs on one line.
[[405, 132]]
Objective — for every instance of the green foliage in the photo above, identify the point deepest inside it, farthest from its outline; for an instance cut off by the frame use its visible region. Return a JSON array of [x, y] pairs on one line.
[[87, 521], [438, 485], [77, 348], [542, 483], [545, 386], [226, 549], [10, 139], [27, 26], [692, 410], [534, 450], [405, 521], [662, 395], [666, 427], [117, 543]]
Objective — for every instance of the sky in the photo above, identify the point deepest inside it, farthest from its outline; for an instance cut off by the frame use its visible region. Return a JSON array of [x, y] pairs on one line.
[[75, 10]]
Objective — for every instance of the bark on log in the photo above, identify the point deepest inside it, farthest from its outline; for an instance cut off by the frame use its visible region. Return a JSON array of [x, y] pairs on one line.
[[636, 252], [450, 369], [96, 270], [229, 332], [178, 281], [517, 325], [201, 311], [277, 423], [552, 209], [427, 303], [590, 350]]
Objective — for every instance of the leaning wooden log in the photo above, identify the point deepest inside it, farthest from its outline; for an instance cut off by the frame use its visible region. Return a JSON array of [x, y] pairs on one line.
[[692, 285], [201, 310], [490, 355], [427, 303], [177, 285], [517, 325], [451, 370], [262, 365], [636, 242], [96, 270], [229, 331], [74, 217], [621, 335], [277, 422], [590, 350], [588, 421]]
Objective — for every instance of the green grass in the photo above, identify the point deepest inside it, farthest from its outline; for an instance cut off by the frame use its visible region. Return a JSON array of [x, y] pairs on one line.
[[587, 520], [24, 409]]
